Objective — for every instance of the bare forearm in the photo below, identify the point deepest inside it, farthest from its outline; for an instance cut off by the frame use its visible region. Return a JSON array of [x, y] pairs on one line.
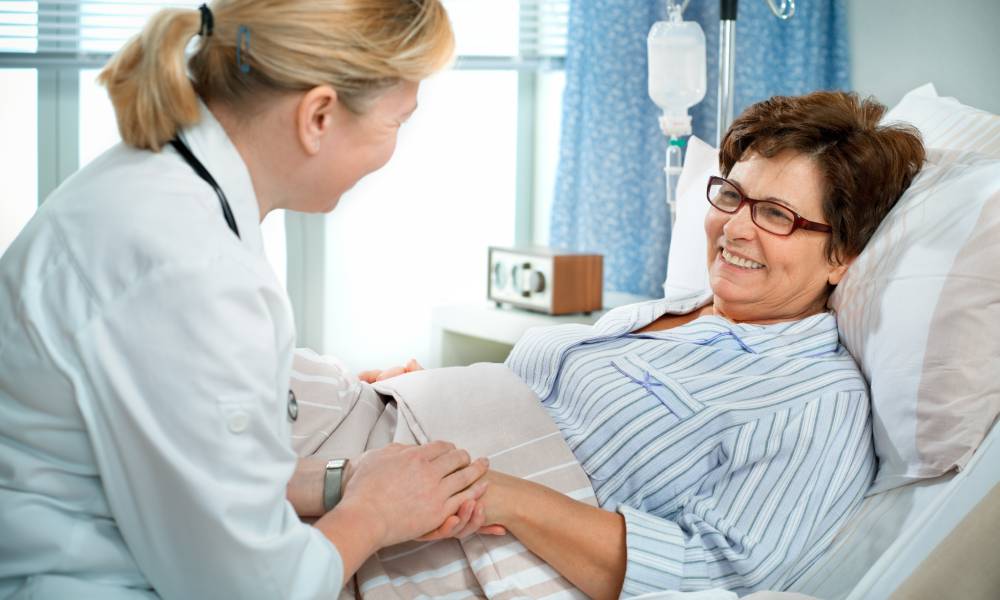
[[305, 488], [585, 544]]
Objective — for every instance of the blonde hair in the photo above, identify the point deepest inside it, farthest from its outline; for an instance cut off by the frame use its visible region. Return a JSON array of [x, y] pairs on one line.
[[358, 47]]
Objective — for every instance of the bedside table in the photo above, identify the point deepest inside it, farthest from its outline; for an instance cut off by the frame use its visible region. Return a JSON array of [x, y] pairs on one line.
[[483, 332]]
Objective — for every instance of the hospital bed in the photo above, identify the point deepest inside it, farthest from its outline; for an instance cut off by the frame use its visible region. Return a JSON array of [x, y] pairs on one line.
[[933, 538]]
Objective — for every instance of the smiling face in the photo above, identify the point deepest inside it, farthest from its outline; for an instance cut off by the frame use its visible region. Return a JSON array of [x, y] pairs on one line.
[[761, 277]]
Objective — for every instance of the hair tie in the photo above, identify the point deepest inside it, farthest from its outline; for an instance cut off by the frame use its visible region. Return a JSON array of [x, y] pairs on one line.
[[207, 21]]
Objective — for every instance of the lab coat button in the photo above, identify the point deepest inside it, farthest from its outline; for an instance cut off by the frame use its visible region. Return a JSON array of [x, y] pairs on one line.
[[238, 422], [293, 406]]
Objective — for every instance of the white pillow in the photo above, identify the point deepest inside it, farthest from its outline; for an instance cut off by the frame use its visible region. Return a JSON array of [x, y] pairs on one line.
[[946, 123], [687, 261], [920, 311], [919, 308]]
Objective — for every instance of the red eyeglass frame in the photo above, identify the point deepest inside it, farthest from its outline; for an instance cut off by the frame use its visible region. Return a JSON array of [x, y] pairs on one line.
[[799, 223]]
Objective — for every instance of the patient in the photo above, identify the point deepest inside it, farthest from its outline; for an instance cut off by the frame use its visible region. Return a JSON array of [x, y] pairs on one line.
[[726, 435]]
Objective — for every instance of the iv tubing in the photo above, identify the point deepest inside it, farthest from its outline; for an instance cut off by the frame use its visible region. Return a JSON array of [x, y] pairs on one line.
[[672, 169]]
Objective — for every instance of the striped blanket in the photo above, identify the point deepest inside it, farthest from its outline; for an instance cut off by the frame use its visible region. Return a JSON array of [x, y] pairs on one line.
[[483, 408]]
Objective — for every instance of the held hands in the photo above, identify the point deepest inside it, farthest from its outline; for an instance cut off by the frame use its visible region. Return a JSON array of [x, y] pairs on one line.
[[471, 516], [374, 375], [484, 515], [408, 491]]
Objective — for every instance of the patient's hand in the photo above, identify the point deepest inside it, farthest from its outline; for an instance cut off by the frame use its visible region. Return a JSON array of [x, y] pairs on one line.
[[501, 491], [471, 518], [373, 375]]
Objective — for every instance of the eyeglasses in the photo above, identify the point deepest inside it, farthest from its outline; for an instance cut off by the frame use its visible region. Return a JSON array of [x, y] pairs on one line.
[[769, 216]]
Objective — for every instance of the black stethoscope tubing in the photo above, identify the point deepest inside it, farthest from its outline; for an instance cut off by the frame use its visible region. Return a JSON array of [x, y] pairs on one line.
[[195, 164], [202, 172]]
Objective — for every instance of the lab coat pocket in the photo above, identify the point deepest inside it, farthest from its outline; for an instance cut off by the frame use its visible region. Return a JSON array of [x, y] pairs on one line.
[[664, 387]]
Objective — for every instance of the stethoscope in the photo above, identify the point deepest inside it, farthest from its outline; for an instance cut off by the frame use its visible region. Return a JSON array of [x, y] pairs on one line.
[[195, 164], [202, 172]]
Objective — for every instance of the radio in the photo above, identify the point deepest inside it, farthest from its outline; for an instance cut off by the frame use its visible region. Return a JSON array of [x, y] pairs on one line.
[[546, 280]]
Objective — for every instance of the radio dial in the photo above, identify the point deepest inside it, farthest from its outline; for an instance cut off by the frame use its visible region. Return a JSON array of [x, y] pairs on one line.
[[536, 282], [499, 276]]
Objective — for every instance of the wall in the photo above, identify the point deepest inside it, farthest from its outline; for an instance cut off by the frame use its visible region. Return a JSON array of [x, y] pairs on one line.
[[897, 45]]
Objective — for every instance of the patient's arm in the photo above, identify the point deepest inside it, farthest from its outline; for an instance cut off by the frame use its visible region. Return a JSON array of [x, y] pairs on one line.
[[591, 553]]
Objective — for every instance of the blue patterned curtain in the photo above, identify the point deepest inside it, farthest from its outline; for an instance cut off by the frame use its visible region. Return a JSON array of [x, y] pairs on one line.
[[610, 195]]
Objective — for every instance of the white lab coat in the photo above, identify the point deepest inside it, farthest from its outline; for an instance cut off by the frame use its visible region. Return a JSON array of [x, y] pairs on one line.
[[144, 364]]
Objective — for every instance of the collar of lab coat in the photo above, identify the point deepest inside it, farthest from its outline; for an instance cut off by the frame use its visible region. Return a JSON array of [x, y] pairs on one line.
[[210, 143]]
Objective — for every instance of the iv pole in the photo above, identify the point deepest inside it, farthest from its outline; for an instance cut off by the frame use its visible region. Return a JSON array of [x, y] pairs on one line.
[[727, 58]]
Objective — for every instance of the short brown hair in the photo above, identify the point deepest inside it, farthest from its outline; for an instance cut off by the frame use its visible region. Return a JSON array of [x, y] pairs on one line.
[[866, 167]]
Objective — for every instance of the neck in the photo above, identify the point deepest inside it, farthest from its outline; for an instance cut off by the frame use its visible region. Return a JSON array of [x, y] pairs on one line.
[[751, 317], [261, 159]]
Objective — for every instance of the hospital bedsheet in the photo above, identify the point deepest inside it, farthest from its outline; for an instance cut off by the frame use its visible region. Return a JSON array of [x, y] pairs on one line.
[[483, 408]]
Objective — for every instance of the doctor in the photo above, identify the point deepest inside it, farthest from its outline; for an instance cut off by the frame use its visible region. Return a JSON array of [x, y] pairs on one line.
[[145, 344]]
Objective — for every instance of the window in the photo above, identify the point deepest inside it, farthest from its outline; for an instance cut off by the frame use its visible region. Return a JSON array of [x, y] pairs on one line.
[[415, 234], [18, 150], [98, 128]]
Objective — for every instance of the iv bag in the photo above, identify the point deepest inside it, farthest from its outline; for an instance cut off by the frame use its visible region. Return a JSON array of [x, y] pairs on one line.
[[677, 71]]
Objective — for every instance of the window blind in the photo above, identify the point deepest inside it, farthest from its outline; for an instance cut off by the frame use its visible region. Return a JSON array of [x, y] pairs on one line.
[[543, 28], [85, 33]]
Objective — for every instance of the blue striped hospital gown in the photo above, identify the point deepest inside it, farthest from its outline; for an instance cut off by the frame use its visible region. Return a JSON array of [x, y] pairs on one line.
[[734, 452]]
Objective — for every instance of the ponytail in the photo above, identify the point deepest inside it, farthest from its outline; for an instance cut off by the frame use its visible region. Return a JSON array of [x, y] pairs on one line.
[[148, 82], [359, 47]]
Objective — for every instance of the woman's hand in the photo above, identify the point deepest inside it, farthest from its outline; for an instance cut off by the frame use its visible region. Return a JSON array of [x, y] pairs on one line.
[[469, 520], [373, 375], [407, 491], [472, 516], [498, 502]]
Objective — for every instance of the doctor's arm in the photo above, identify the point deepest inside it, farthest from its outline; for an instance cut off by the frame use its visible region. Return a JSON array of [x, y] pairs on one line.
[[180, 379], [398, 493]]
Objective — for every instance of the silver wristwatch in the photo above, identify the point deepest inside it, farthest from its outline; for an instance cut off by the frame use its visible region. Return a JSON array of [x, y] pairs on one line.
[[332, 481]]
